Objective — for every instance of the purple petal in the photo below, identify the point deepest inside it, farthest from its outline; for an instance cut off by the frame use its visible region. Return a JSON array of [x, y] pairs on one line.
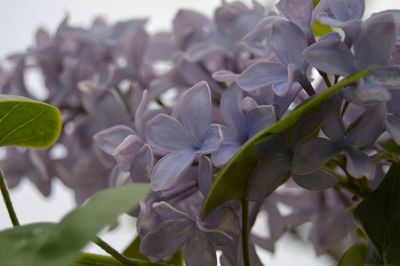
[[386, 75], [196, 110], [173, 232], [230, 109], [167, 134], [261, 75], [376, 41], [126, 151], [345, 10], [225, 76], [313, 154], [267, 176], [259, 118], [205, 175], [318, 180], [224, 154], [333, 126], [288, 42], [169, 169], [368, 92], [199, 250], [109, 139], [212, 140], [393, 126], [142, 164], [331, 56], [283, 88], [298, 12], [359, 164], [369, 128], [275, 146], [140, 114]]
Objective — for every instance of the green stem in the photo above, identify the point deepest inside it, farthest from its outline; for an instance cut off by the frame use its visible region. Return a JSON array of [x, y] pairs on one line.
[[7, 200], [245, 232], [114, 253]]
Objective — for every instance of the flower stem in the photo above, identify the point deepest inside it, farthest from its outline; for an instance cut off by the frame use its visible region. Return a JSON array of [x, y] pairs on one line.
[[326, 79], [114, 253], [7, 200], [245, 232]]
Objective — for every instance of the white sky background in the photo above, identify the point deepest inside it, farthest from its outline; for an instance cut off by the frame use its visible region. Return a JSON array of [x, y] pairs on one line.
[[19, 20]]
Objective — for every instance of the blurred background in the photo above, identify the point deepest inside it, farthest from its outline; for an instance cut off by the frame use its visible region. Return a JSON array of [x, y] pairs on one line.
[[19, 20]]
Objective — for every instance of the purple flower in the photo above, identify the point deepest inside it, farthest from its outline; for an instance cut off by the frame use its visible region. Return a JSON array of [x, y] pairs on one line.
[[244, 118], [314, 153], [373, 46], [278, 156], [288, 42], [176, 229], [183, 141]]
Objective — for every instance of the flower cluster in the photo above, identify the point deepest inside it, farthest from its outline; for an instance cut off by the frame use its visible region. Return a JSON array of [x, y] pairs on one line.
[[172, 108]]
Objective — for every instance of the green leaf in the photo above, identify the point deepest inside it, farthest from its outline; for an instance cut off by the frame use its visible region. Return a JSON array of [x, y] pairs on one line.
[[354, 256], [19, 245], [29, 123], [231, 182], [132, 251], [379, 216], [60, 244]]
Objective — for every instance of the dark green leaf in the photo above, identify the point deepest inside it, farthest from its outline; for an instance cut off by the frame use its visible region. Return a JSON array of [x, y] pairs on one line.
[[379, 216], [29, 123], [60, 244], [132, 251], [231, 182], [354, 256]]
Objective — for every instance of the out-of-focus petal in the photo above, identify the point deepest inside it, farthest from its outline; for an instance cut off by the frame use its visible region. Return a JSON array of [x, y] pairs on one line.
[[167, 134], [142, 165], [274, 146], [310, 155], [261, 75], [267, 176], [369, 128], [196, 110], [109, 139], [170, 236], [259, 118], [393, 126], [298, 12], [376, 41], [331, 56], [288, 41], [170, 168], [318, 180], [212, 140], [367, 92], [386, 75], [199, 250], [225, 76], [125, 152], [345, 10], [359, 164]]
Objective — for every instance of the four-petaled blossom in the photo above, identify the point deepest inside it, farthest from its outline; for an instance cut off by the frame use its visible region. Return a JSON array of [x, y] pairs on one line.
[[182, 141]]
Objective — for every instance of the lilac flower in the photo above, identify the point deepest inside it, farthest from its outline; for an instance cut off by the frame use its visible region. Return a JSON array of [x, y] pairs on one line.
[[242, 122], [369, 49], [288, 42], [183, 141], [312, 154], [176, 229], [344, 14], [278, 156]]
